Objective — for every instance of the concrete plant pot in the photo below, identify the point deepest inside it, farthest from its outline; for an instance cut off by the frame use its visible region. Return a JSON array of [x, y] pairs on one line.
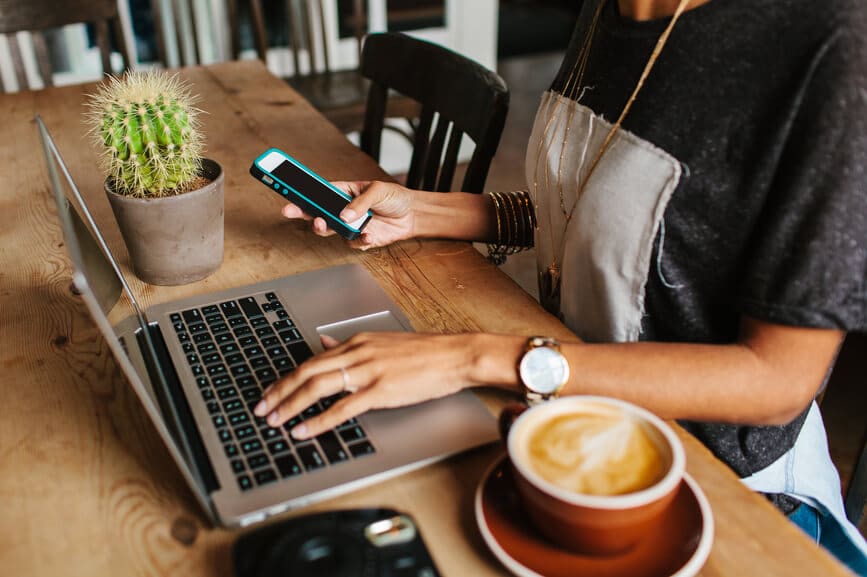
[[177, 239]]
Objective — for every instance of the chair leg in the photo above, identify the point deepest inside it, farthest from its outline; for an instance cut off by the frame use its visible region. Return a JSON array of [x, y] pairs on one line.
[[856, 496]]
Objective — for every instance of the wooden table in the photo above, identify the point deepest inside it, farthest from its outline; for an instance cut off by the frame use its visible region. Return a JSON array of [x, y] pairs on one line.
[[87, 488]]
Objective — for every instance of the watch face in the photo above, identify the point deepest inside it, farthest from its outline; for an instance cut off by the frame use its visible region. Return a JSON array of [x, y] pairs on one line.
[[544, 370]]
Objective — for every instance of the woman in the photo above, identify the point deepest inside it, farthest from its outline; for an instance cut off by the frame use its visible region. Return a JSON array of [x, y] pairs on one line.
[[696, 173]]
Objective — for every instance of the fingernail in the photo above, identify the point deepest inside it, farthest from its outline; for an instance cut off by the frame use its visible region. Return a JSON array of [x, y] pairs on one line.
[[299, 432], [274, 419], [261, 409], [348, 215]]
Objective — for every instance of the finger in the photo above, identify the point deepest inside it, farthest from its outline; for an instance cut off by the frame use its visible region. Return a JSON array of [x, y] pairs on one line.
[[374, 193], [328, 342], [294, 211], [363, 242], [352, 188], [321, 385], [320, 227], [340, 412]]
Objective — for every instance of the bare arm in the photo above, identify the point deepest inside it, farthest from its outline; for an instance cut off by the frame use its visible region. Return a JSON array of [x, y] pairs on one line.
[[767, 377]]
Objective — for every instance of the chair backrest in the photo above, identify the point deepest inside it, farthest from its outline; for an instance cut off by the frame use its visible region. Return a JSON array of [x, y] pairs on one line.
[[465, 97], [306, 32], [36, 16]]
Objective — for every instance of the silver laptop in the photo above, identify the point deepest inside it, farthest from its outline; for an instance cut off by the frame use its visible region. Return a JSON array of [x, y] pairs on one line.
[[198, 366]]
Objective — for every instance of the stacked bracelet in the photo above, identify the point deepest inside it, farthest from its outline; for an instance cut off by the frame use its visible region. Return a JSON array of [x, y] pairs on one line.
[[516, 224]]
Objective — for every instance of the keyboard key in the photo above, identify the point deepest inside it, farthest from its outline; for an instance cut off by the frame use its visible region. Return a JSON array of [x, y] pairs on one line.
[[258, 461], [225, 435], [222, 381], [251, 446], [266, 308], [224, 338], [211, 358], [253, 351], [219, 328], [197, 370], [248, 341], [229, 348], [266, 376], [227, 393], [247, 382], [263, 332], [300, 351], [238, 322], [201, 338], [219, 421], [239, 419], [178, 326], [312, 411], [234, 359], [213, 319], [271, 296], [361, 449], [288, 466], [213, 407], [175, 317], [238, 466], [261, 322], [207, 347], [278, 446], [240, 370], [265, 476], [282, 314], [192, 316], [188, 347], [332, 448], [260, 362], [230, 308], [251, 394], [270, 342], [210, 310], [245, 432], [284, 365], [218, 369], [184, 337], [245, 483], [197, 328], [276, 352], [207, 394], [250, 307], [351, 434], [203, 382], [271, 434], [283, 325], [231, 449], [233, 405], [310, 457]]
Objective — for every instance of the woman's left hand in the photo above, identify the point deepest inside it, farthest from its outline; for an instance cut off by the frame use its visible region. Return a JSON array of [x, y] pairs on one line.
[[382, 370]]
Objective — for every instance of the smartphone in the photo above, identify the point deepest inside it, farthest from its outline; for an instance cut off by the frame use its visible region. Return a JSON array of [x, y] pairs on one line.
[[303, 187]]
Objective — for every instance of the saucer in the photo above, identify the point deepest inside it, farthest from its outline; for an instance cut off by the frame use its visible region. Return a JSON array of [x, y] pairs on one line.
[[678, 550]]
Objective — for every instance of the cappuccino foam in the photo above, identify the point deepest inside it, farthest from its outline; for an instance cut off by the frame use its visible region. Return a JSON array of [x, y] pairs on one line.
[[595, 454]]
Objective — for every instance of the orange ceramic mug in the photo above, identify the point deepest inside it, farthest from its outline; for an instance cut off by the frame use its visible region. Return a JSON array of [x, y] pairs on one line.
[[595, 474]]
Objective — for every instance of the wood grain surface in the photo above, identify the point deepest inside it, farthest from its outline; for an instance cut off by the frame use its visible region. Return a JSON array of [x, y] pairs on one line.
[[86, 486]]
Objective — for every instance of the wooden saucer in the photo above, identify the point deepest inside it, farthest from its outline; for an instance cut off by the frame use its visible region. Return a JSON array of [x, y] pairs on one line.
[[679, 549]]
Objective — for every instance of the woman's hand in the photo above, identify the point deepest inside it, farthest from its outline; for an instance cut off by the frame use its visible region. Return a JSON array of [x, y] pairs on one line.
[[393, 217], [381, 370]]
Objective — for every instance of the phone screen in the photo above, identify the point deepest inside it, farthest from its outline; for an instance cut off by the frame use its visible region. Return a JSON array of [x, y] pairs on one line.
[[310, 187]]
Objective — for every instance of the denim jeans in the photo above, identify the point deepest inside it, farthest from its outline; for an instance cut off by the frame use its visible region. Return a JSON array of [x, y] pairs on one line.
[[827, 532]]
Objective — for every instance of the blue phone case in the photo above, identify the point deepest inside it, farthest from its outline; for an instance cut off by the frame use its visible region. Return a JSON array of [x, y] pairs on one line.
[[304, 198]]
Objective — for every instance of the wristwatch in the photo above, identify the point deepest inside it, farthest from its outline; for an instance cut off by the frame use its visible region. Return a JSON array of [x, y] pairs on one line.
[[542, 370]]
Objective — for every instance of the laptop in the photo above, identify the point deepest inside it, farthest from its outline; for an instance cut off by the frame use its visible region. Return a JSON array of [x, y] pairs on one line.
[[198, 366]]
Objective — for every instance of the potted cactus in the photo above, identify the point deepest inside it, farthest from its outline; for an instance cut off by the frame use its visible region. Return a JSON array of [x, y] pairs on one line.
[[166, 198]]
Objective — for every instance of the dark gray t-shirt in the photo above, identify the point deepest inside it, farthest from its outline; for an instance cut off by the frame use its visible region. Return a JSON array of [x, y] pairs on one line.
[[764, 102]]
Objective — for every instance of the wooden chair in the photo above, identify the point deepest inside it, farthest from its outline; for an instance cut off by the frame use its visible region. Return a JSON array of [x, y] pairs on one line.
[[339, 94], [465, 97], [36, 16]]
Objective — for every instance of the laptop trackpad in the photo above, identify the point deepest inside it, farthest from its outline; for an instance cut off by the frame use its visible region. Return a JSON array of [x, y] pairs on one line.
[[379, 322]]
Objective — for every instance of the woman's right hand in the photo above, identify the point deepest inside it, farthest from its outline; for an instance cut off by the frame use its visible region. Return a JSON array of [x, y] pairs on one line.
[[392, 206]]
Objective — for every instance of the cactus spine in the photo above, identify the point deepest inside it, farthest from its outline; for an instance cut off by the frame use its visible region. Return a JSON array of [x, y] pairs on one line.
[[146, 124]]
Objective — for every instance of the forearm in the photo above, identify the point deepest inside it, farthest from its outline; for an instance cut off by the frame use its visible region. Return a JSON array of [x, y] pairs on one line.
[[745, 382], [455, 215]]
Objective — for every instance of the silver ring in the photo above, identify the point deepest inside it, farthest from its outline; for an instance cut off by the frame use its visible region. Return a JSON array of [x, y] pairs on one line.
[[345, 379]]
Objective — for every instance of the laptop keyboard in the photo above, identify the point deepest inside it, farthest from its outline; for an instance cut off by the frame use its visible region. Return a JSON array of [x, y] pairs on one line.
[[237, 348]]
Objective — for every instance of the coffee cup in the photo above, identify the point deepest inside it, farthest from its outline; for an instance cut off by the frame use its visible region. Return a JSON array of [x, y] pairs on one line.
[[594, 474]]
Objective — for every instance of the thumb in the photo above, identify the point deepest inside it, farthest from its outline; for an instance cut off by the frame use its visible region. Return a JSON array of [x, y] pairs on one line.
[[328, 342], [367, 198]]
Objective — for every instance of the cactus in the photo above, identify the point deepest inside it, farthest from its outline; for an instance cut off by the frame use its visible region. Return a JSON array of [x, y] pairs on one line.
[[146, 125]]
